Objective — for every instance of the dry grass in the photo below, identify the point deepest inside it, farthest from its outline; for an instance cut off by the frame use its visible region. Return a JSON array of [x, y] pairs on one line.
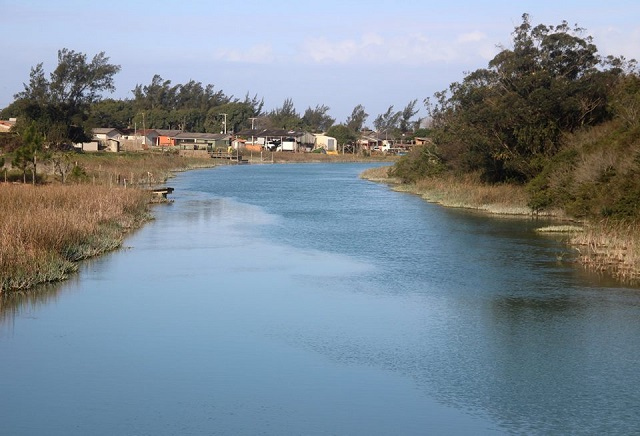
[[379, 174], [46, 229], [466, 192], [136, 168], [560, 229], [611, 247]]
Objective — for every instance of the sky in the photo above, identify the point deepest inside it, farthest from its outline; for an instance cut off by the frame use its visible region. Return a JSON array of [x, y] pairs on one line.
[[337, 53]]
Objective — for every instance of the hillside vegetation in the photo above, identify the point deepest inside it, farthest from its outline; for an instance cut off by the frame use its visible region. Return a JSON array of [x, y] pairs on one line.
[[552, 116]]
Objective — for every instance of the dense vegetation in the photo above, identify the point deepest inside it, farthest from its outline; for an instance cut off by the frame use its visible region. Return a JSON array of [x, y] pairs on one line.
[[548, 113]]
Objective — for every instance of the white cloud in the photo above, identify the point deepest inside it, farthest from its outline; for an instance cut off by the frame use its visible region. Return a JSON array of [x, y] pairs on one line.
[[257, 54], [402, 48], [472, 37]]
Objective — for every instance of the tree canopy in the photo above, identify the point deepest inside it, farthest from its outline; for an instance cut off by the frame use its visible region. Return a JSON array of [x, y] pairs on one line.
[[506, 120], [59, 107]]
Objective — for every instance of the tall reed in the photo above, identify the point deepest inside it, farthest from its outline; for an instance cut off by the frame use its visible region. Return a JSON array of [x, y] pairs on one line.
[[45, 229], [612, 247]]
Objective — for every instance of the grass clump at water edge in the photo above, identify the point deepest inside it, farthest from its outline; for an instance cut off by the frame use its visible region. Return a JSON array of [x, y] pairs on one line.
[[46, 229]]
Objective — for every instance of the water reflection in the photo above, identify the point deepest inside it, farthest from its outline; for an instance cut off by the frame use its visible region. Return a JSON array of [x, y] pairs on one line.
[[26, 303]]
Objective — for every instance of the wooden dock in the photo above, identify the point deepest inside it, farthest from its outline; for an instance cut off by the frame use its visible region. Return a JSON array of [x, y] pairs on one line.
[[232, 156], [162, 192]]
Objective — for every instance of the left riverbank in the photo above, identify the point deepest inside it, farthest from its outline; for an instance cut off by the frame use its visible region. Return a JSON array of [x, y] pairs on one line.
[[47, 228]]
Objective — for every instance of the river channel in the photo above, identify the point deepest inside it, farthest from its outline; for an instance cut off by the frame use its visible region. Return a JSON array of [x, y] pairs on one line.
[[299, 299]]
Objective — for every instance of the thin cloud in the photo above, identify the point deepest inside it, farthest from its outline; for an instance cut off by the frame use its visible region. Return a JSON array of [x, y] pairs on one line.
[[257, 54], [411, 49]]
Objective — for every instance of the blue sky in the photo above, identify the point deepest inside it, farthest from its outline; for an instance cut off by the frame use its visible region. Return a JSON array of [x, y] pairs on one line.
[[376, 53]]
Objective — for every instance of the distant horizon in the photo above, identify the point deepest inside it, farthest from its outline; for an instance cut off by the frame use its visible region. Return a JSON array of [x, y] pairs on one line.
[[379, 55]]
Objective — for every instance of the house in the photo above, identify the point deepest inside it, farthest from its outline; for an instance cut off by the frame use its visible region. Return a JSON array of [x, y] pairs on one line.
[[108, 138], [422, 141], [102, 138], [278, 139], [6, 125], [369, 141], [139, 139], [202, 141], [166, 138], [329, 143]]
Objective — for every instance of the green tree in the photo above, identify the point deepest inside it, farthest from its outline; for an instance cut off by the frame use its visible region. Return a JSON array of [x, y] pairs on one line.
[[237, 114], [387, 121], [28, 153], [507, 120], [59, 106], [343, 134], [112, 113], [317, 120], [285, 117], [356, 120], [409, 111]]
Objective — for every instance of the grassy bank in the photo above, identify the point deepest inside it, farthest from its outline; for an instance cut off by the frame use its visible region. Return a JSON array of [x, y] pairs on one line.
[[135, 168], [611, 247], [606, 246], [46, 229], [467, 193]]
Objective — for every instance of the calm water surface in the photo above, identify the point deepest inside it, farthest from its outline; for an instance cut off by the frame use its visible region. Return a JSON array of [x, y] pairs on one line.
[[299, 299]]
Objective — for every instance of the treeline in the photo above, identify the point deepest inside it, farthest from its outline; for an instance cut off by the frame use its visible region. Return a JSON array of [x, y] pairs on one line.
[[64, 107], [548, 112], [61, 109]]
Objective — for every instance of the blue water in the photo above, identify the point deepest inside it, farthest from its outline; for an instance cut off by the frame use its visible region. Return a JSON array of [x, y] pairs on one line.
[[302, 300]]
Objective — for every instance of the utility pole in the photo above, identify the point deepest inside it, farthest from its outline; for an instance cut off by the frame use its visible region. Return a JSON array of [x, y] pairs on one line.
[[225, 123], [252, 120], [144, 133]]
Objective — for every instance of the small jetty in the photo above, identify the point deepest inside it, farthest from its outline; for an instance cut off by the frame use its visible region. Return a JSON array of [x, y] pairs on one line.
[[232, 157], [162, 192]]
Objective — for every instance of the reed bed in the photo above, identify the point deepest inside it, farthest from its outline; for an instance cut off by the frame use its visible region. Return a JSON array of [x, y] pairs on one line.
[[463, 192], [611, 247], [45, 230], [379, 174], [136, 168]]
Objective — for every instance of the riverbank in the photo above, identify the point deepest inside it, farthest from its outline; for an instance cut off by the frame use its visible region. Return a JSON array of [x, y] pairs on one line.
[[47, 228], [51, 226], [607, 247]]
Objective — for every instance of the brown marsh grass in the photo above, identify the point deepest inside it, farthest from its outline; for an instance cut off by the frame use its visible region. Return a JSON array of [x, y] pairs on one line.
[[611, 247], [136, 168], [463, 192], [45, 229]]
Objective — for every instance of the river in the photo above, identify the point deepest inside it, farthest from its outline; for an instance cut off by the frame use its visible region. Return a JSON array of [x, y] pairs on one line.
[[299, 299]]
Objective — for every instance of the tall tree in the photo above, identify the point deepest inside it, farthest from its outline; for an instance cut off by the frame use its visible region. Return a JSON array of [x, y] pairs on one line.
[[343, 134], [387, 121], [407, 113], [509, 118], [28, 153], [285, 117], [59, 107], [317, 120], [356, 120]]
